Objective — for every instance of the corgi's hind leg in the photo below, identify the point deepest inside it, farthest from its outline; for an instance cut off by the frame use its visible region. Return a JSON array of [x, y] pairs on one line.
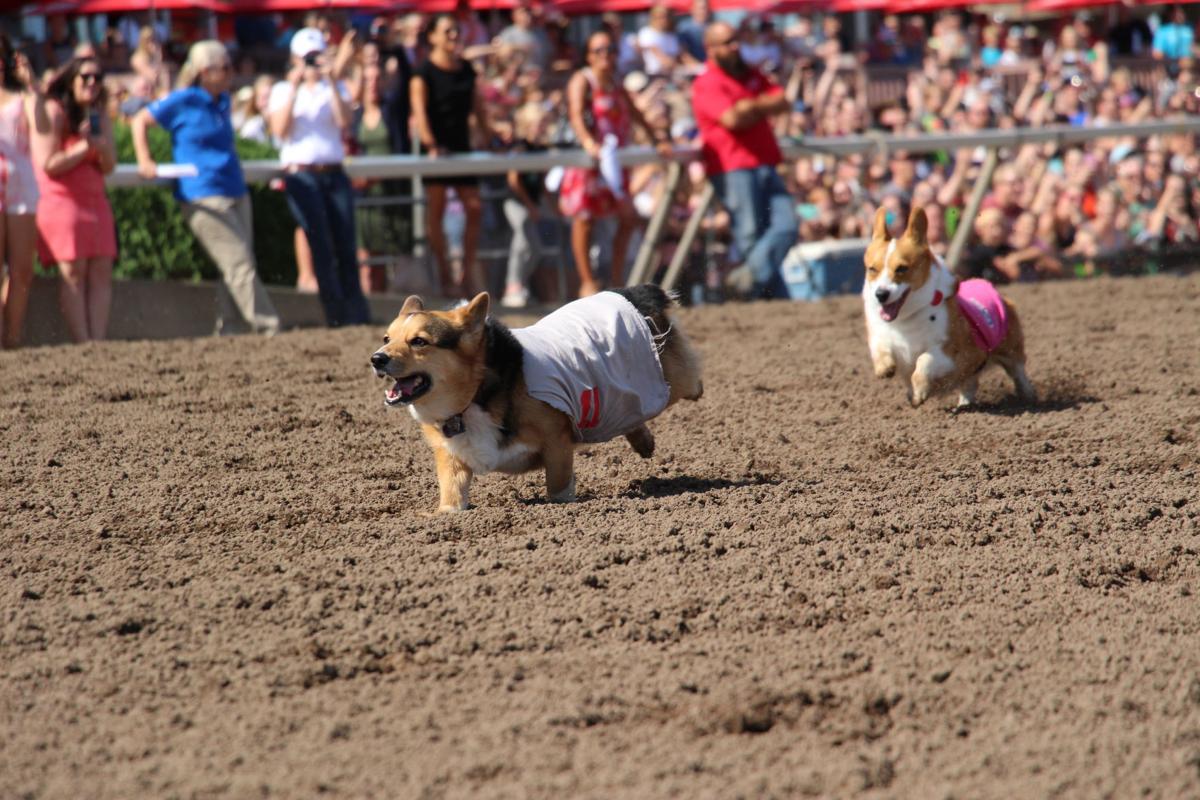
[[641, 440], [1016, 371], [1014, 365], [1011, 356]]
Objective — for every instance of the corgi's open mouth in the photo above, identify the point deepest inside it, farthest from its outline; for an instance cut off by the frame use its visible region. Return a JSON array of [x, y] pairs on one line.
[[889, 311], [407, 389]]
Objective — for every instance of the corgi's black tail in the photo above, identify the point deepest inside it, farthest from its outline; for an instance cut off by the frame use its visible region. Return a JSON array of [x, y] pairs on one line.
[[648, 299]]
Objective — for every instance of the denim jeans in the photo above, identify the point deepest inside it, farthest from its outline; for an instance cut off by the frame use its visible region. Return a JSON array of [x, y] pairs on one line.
[[323, 205], [764, 223]]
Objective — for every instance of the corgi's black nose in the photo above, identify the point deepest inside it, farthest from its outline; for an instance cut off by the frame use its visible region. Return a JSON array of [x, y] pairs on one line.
[[379, 360], [880, 294]]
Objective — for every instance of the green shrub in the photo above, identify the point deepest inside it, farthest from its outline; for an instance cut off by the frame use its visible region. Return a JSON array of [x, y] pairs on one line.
[[156, 243]]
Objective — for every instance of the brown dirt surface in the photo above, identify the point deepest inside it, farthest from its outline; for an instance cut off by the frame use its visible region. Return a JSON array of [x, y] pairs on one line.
[[218, 582]]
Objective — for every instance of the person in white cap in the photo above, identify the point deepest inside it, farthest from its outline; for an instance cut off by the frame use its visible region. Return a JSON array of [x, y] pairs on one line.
[[308, 114]]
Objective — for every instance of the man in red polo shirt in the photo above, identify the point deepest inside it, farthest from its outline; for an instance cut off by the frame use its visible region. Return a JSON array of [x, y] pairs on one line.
[[733, 103]]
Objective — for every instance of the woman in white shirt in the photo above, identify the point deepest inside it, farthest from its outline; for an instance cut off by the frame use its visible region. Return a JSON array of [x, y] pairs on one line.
[[308, 113]]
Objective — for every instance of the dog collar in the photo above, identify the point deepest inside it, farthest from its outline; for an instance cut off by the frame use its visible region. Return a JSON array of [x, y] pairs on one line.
[[453, 426]]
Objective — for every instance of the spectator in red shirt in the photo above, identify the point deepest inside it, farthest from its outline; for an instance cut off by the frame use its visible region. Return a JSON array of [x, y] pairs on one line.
[[733, 104]]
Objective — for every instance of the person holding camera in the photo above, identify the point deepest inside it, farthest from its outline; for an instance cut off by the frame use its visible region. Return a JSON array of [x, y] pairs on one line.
[[71, 156], [309, 112], [216, 203]]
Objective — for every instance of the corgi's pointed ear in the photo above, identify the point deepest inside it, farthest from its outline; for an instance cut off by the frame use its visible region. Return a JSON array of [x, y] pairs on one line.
[[475, 314], [918, 226], [412, 305], [881, 230]]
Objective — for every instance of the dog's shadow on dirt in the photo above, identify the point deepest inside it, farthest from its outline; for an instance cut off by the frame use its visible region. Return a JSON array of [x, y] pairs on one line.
[[1064, 395], [670, 487], [688, 484]]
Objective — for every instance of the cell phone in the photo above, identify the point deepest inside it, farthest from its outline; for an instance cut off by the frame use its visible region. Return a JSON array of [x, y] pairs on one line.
[[311, 59], [94, 122]]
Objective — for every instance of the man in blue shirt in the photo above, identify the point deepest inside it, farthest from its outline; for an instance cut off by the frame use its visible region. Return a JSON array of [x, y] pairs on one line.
[[215, 201], [1174, 40]]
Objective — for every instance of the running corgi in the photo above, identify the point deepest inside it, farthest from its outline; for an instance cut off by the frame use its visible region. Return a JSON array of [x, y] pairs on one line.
[[938, 333], [490, 399]]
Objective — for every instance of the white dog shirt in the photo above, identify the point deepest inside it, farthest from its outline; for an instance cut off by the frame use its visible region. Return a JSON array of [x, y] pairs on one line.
[[596, 361]]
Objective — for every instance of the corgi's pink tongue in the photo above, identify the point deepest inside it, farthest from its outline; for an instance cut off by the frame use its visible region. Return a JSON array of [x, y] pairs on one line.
[[889, 310], [406, 387]]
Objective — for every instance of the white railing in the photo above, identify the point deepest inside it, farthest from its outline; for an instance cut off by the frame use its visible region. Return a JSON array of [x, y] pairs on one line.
[[486, 163]]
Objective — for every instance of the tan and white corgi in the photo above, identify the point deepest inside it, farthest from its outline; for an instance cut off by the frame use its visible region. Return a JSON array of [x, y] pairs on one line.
[[490, 399], [936, 332]]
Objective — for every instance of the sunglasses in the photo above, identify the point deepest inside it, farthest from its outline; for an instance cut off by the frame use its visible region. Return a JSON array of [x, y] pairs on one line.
[[603, 51], [725, 43], [90, 77]]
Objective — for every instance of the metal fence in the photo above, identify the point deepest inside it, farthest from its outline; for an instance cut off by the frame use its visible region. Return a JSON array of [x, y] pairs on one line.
[[487, 163]]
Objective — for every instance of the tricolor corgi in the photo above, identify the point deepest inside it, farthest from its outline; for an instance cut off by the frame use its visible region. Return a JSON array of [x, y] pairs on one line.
[[939, 334], [490, 399]]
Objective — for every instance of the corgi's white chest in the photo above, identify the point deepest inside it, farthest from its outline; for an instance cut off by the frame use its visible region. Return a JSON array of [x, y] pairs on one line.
[[924, 328], [481, 445], [907, 338]]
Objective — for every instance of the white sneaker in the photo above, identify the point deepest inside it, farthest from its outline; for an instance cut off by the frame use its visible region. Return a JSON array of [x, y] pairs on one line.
[[515, 298]]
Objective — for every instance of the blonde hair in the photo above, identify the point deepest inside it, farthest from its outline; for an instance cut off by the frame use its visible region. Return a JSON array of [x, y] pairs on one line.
[[201, 56], [146, 35]]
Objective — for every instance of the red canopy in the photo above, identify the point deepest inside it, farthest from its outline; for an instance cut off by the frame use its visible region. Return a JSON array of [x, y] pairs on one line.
[[570, 7], [842, 6], [1067, 5], [120, 6], [271, 6], [924, 6], [791, 6]]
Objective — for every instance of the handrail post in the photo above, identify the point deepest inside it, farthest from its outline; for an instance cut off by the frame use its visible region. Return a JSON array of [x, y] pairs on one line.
[[967, 221], [689, 236], [658, 221]]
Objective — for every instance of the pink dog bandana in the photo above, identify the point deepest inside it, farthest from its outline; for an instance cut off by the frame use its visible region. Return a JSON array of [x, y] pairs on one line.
[[983, 307]]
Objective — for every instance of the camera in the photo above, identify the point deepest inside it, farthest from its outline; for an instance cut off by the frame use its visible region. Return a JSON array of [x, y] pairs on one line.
[[312, 59]]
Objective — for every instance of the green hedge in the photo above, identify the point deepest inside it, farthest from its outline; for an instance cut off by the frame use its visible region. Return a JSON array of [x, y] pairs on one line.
[[156, 243]]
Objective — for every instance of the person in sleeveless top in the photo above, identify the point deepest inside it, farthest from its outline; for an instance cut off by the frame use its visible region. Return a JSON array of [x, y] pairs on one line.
[[22, 108], [74, 220], [444, 101], [599, 107]]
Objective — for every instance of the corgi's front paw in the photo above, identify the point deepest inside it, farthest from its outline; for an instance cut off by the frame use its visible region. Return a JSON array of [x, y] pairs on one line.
[[450, 509], [917, 396], [882, 361]]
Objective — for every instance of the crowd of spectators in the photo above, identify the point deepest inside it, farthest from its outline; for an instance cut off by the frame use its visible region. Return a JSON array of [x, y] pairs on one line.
[[530, 80]]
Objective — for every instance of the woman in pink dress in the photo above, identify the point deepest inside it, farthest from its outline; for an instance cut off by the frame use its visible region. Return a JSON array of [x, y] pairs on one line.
[[74, 219], [598, 106], [20, 107]]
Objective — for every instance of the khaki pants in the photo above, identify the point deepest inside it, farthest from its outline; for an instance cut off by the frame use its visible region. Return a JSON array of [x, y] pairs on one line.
[[225, 228]]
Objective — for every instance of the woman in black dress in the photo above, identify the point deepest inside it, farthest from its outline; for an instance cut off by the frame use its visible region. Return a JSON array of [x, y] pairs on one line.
[[443, 101]]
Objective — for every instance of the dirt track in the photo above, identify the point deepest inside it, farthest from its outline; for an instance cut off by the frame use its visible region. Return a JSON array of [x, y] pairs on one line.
[[218, 582]]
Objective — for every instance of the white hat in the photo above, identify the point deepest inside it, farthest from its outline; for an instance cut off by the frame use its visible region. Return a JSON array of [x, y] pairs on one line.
[[307, 40], [636, 81]]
